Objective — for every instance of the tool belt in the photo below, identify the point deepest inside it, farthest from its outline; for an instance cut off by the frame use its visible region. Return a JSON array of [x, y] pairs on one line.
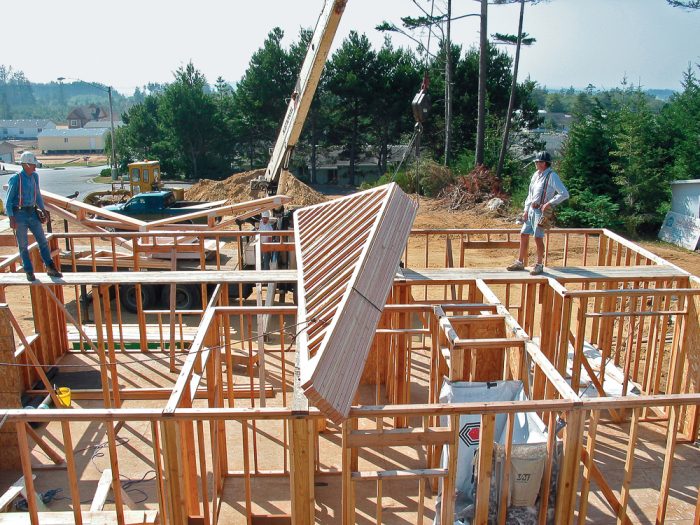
[[24, 208]]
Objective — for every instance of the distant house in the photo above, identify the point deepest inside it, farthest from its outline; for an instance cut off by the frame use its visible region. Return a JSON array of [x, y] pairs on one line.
[[332, 168], [80, 116], [73, 140], [24, 128], [7, 152]]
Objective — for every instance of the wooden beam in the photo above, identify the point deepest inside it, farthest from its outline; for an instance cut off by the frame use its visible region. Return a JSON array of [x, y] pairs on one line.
[[12, 492], [302, 443], [11, 386], [132, 517], [484, 469]]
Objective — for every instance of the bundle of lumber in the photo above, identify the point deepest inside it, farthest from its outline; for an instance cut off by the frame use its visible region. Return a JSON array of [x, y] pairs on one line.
[[348, 251]]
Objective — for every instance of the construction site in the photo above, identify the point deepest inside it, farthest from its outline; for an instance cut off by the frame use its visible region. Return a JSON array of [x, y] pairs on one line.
[[348, 367]]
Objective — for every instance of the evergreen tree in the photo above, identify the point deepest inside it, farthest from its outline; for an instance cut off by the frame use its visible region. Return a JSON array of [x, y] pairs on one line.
[[353, 73], [680, 121], [587, 172], [190, 122], [397, 80], [639, 166], [261, 96]]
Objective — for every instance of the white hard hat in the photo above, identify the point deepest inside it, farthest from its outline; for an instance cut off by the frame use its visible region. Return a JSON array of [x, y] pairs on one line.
[[266, 214], [28, 158]]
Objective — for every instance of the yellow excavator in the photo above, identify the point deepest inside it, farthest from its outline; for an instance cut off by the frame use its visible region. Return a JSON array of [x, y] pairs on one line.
[[143, 176]]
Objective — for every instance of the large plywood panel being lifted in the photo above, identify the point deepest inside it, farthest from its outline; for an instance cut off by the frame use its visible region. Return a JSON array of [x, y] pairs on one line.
[[348, 251]]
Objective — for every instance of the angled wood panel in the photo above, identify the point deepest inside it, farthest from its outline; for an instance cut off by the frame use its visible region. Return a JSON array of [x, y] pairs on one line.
[[348, 251]]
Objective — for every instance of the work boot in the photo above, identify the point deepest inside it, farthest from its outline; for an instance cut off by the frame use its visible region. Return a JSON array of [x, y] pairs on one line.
[[516, 266], [30, 276], [537, 269], [52, 271]]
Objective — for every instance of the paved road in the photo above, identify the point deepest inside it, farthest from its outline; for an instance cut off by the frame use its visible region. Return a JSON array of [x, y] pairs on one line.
[[65, 181]]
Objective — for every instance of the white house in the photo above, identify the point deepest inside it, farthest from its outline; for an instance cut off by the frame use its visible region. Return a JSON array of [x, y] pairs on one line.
[[24, 128], [7, 152], [685, 197], [79, 140]]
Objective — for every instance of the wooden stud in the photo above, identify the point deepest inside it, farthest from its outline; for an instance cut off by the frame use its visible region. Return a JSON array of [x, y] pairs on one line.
[[505, 480], [301, 473], [448, 485], [622, 518], [590, 448]]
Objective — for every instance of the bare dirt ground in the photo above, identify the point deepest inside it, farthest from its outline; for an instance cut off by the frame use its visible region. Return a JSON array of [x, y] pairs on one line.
[[73, 159]]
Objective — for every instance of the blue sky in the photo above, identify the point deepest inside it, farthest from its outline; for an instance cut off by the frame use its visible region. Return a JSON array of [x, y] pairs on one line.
[[578, 41]]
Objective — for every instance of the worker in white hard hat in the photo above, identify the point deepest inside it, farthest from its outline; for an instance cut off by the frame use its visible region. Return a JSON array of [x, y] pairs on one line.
[[25, 208], [265, 225]]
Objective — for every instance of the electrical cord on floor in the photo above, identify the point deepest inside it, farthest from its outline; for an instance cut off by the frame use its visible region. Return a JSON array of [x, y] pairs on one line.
[[127, 485], [47, 497]]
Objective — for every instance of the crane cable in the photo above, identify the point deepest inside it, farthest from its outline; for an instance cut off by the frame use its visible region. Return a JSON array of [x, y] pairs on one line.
[[418, 128]]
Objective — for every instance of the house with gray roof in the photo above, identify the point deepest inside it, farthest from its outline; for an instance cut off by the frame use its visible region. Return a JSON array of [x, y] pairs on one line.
[[24, 128], [103, 124], [333, 166]]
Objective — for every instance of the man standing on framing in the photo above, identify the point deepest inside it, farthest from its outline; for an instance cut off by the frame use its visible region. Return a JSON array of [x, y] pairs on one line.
[[25, 207], [546, 191]]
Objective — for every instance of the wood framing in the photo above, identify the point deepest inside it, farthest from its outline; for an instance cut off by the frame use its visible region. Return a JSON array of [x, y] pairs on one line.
[[348, 251], [183, 385]]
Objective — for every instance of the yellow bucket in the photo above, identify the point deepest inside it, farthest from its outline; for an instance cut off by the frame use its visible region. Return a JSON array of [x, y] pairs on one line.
[[64, 396]]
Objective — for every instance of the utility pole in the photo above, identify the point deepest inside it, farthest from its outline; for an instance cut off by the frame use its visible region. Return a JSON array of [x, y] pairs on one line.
[[111, 122], [448, 85], [483, 64]]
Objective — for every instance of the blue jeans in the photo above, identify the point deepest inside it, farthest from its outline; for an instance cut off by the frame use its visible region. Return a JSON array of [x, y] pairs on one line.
[[28, 221], [267, 258]]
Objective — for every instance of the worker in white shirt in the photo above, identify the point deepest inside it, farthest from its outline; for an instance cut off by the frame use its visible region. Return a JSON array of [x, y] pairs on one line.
[[265, 225], [546, 191]]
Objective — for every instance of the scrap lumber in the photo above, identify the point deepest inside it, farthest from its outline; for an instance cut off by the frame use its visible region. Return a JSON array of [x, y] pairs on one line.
[[348, 251]]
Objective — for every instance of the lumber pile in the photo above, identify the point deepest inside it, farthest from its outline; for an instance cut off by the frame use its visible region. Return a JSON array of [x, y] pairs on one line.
[[348, 251]]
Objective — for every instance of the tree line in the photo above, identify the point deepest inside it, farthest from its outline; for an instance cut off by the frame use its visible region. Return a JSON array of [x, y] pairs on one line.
[[622, 149], [362, 106], [621, 153]]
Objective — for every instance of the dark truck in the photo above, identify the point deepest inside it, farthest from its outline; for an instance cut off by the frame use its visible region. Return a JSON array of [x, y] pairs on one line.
[[156, 205]]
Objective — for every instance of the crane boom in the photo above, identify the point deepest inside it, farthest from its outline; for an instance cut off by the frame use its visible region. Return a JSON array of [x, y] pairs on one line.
[[303, 94]]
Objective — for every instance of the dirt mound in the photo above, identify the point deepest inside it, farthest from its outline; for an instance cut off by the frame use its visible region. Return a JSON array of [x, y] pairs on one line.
[[234, 189], [301, 194], [237, 189]]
